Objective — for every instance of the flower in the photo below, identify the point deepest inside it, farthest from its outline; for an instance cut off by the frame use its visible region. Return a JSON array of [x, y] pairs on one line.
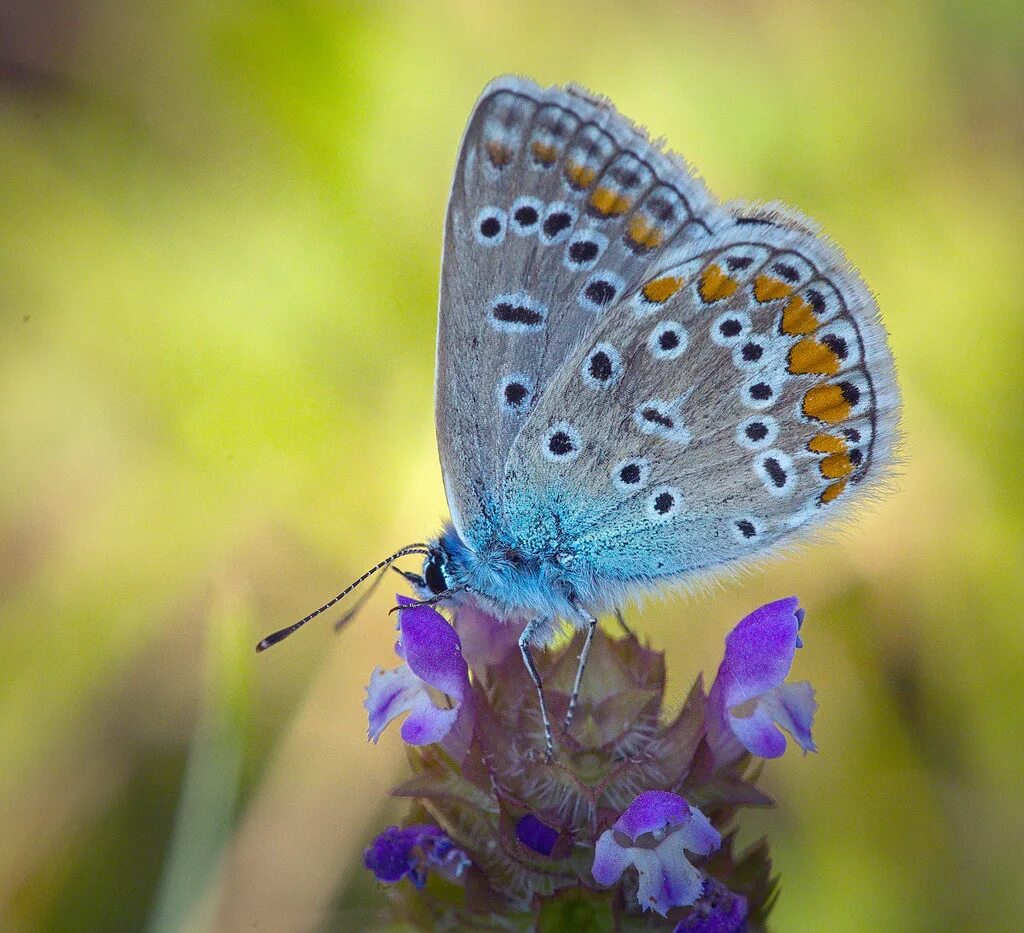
[[536, 835], [548, 843], [749, 703], [433, 662], [396, 853], [718, 910], [654, 834]]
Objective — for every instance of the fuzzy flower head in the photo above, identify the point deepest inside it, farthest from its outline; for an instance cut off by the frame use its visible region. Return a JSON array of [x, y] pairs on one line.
[[654, 835], [410, 852], [631, 825], [750, 703]]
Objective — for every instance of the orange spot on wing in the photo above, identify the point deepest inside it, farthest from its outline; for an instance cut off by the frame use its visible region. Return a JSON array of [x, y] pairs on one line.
[[580, 176], [714, 284], [810, 356], [768, 288], [610, 203], [499, 154], [826, 403], [543, 153], [833, 491], [826, 444], [643, 233], [798, 317], [835, 466], [660, 290]]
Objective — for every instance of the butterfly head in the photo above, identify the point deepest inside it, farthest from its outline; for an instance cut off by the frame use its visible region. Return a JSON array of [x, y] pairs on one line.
[[444, 566]]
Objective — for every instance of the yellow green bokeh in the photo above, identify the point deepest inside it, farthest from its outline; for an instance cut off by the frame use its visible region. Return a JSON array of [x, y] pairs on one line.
[[220, 228]]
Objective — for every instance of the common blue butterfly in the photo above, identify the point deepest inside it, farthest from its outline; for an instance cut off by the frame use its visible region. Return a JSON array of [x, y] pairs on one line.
[[636, 385]]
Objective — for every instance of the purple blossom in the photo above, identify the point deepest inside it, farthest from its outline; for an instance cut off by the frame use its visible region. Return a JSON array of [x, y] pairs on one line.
[[718, 910], [653, 834], [396, 853], [536, 835], [434, 667], [749, 703]]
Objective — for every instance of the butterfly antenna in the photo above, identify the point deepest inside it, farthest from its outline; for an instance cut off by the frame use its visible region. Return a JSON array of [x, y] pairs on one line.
[[273, 639], [366, 595]]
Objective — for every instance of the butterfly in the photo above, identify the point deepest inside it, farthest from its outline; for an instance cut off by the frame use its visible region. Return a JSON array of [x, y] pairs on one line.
[[637, 386]]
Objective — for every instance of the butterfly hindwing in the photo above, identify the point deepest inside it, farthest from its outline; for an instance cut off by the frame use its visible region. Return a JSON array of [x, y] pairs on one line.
[[739, 394], [559, 206]]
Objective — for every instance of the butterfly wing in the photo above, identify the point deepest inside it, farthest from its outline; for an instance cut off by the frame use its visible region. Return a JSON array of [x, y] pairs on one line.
[[740, 394], [558, 206]]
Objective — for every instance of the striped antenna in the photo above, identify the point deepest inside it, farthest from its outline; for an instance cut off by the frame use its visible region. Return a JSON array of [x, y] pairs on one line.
[[273, 639]]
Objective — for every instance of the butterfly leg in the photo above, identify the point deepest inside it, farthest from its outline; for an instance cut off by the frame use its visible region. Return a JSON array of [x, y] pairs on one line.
[[524, 648], [622, 624], [584, 654]]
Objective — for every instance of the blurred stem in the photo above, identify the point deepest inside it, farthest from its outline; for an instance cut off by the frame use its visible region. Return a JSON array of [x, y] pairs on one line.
[[209, 794]]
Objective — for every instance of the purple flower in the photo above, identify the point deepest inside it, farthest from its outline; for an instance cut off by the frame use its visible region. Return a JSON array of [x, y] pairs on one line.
[[396, 853], [718, 910], [749, 703], [653, 834], [434, 667], [536, 835]]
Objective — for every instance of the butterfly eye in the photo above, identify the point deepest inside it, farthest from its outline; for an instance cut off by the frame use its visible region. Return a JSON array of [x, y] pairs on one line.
[[663, 504], [433, 574], [561, 443], [489, 226]]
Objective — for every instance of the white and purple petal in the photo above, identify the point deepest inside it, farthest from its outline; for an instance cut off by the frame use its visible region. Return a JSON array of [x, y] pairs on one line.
[[389, 694], [749, 700], [651, 811], [759, 651], [432, 649], [667, 879], [433, 659], [671, 829]]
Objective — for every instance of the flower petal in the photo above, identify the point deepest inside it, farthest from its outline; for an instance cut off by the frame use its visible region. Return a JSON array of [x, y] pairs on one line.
[[718, 910], [792, 706], [432, 649], [667, 879], [390, 694], [610, 859], [396, 853], [759, 651], [486, 641], [650, 811], [428, 723], [698, 835], [758, 733], [536, 835]]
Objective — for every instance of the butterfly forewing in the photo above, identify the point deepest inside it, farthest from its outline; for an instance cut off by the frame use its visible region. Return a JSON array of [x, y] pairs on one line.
[[559, 207], [736, 396]]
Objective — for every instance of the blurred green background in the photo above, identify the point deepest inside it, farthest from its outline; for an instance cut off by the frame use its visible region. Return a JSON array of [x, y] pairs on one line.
[[220, 226]]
